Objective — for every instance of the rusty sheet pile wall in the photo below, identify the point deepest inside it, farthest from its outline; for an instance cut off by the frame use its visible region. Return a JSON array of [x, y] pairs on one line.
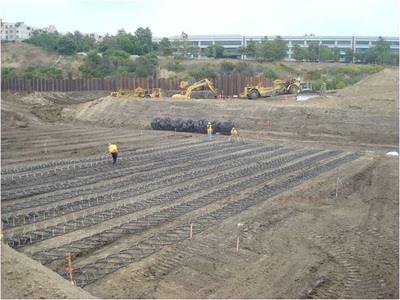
[[227, 85]]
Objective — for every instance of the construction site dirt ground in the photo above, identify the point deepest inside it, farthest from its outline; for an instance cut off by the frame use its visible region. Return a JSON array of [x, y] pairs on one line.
[[310, 183]]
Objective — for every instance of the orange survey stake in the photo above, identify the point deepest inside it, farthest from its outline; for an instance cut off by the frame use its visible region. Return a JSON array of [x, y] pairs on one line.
[[69, 267]]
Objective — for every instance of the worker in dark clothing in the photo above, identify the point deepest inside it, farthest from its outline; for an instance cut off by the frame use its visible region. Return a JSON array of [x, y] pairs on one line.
[[113, 150]]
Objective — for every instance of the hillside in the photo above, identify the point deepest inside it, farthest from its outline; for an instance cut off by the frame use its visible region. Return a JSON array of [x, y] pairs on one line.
[[19, 56]]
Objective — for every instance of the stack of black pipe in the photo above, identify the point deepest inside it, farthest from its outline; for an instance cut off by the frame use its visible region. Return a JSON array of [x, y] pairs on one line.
[[191, 125]]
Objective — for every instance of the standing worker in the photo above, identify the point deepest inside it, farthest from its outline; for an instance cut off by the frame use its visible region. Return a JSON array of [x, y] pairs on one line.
[[234, 135], [209, 131], [113, 150]]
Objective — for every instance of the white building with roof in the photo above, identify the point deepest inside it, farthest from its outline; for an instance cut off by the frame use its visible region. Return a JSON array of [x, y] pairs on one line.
[[231, 43], [18, 31]]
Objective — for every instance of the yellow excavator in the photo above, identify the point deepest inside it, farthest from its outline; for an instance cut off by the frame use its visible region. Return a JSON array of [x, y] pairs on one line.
[[189, 88], [291, 86]]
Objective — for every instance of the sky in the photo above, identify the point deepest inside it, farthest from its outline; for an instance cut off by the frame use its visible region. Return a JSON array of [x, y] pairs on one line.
[[245, 17]]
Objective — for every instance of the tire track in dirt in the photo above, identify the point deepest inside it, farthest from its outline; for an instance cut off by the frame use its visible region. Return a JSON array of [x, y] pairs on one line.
[[156, 219], [102, 267]]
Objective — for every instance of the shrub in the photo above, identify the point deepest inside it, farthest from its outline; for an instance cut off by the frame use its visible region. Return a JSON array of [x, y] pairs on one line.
[[8, 73], [42, 72], [244, 68], [288, 68], [316, 84], [226, 67], [314, 74], [270, 73], [174, 66], [144, 66], [340, 85], [204, 71]]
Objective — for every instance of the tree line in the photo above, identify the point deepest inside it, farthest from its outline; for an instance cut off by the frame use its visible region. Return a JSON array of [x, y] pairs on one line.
[[380, 54], [111, 56]]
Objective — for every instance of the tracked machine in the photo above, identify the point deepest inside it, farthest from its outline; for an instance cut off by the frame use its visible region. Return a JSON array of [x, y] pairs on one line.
[[190, 88]]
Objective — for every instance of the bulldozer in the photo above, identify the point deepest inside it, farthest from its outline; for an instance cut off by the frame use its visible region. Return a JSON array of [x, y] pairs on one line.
[[138, 92], [291, 86], [189, 88]]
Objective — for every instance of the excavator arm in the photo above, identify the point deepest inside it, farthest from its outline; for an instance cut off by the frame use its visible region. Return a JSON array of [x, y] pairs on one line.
[[194, 86]]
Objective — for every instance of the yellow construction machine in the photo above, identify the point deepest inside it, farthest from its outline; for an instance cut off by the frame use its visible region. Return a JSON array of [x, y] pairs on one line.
[[189, 88], [138, 92], [291, 86]]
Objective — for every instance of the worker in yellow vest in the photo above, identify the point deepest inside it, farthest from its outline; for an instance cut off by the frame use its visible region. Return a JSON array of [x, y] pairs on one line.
[[234, 135], [209, 131], [113, 150]]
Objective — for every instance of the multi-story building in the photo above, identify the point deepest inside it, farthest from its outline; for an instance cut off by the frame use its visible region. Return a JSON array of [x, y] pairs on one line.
[[18, 31], [231, 43]]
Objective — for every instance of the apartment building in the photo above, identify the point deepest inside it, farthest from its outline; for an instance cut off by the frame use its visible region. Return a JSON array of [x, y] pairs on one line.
[[18, 31]]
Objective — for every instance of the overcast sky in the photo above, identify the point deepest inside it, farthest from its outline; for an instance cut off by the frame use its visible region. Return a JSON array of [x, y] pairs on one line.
[[245, 17]]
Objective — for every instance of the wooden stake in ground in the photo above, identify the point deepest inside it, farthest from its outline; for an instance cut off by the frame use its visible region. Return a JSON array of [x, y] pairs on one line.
[[239, 230], [191, 231], [69, 267], [338, 181]]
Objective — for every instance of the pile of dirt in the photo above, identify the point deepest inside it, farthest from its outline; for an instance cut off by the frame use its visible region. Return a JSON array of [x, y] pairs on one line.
[[16, 110], [69, 98], [22, 277], [378, 92]]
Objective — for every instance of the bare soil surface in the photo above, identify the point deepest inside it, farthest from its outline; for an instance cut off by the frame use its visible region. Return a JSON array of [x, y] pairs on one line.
[[366, 113], [318, 200], [24, 278]]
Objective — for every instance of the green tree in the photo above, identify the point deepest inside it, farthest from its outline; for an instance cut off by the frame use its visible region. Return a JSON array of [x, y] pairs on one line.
[[299, 53], [180, 48], [108, 42], [325, 54], [46, 40], [117, 57], [94, 66], [143, 39], [194, 51], [380, 54], [241, 50], [313, 52], [145, 65], [274, 50], [216, 51], [336, 54], [83, 42], [165, 47], [66, 46], [126, 42], [348, 57], [251, 49]]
